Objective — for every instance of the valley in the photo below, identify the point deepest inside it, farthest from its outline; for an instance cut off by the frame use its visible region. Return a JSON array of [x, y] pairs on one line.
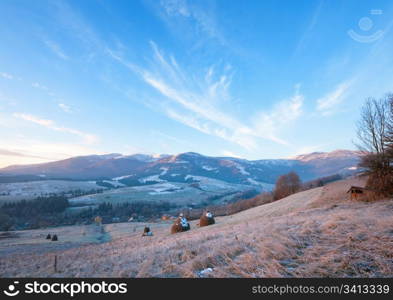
[[145, 187], [190, 175]]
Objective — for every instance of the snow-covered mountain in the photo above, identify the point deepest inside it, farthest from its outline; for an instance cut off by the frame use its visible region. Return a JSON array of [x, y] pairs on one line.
[[337, 154], [142, 157], [141, 169]]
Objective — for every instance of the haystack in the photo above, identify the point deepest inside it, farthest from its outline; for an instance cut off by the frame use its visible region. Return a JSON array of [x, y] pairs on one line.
[[205, 221], [147, 231], [176, 227]]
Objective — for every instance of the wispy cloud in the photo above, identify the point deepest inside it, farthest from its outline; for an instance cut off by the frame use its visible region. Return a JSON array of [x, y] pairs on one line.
[[5, 152], [36, 120], [328, 103], [56, 49], [281, 115], [66, 108], [310, 28], [6, 75], [78, 28], [88, 138], [39, 86], [39, 151], [168, 137], [44, 88], [201, 20], [175, 7], [196, 100]]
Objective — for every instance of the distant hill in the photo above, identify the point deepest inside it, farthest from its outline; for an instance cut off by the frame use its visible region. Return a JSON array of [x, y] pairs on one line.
[[140, 169]]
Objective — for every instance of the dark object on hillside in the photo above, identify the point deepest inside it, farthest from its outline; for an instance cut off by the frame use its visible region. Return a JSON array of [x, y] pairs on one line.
[[48, 237], [206, 221], [356, 191], [54, 238], [147, 232], [177, 226]]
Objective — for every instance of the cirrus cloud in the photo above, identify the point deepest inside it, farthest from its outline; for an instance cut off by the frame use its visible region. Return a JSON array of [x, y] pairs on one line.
[[50, 124], [197, 101], [328, 103]]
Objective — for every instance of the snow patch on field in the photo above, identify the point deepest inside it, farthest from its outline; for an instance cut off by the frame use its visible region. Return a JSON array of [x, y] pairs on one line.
[[208, 168], [155, 178], [114, 183], [241, 169], [252, 181], [166, 188], [208, 183], [189, 177], [122, 177], [33, 189], [266, 186], [164, 171]]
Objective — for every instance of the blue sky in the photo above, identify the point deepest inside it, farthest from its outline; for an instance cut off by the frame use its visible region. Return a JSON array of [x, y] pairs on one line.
[[253, 79]]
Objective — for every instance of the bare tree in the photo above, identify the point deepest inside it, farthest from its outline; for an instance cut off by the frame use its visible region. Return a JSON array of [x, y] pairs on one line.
[[374, 131], [286, 185], [373, 126], [389, 135]]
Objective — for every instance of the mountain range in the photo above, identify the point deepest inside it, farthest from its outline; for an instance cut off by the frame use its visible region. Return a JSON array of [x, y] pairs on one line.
[[140, 169]]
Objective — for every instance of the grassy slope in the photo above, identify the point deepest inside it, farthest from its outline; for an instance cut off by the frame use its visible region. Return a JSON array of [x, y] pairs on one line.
[[313, 233]]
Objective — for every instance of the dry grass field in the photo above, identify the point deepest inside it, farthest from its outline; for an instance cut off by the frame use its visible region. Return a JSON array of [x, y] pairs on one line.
[[315, 233]]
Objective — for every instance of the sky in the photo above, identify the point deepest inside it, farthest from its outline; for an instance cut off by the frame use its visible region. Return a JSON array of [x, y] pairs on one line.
[[250, 79]]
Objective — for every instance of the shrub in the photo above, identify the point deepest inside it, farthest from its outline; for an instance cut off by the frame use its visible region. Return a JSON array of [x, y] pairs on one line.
[[286, 185], [5, 222]]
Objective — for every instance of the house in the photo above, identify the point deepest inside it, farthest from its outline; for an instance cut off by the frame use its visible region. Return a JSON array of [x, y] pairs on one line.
[[356, 192]]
